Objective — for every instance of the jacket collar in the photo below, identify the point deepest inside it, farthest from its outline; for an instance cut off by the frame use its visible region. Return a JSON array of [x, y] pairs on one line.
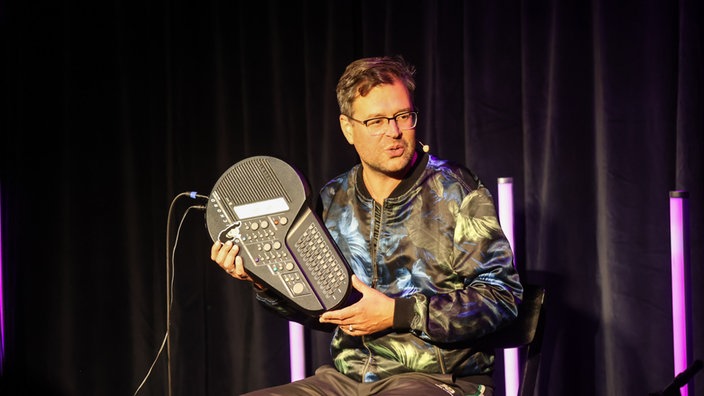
[[408, 181]]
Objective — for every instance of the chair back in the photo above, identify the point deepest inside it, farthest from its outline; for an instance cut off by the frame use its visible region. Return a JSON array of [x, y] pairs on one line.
[[525, 333]]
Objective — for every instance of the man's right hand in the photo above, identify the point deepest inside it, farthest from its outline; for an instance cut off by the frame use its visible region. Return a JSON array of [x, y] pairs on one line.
[[226, 255]]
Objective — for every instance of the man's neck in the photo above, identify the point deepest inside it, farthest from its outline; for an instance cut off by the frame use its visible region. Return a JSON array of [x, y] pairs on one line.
[[380, 185]]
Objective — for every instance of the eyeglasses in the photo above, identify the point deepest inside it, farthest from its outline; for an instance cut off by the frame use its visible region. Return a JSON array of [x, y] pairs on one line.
[[377, 125]]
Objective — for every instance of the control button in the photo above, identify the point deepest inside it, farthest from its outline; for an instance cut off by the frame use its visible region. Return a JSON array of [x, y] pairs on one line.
[[255, 226], [289, 266], [264, 224], [298, 288], [277, 245], [267, 247], [283, 220]]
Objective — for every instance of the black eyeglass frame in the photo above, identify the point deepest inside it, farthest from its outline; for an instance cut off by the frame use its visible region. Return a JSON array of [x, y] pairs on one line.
[[414, 113]]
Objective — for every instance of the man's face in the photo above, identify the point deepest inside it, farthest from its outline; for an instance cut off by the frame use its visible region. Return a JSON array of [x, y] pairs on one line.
[[390, 153]]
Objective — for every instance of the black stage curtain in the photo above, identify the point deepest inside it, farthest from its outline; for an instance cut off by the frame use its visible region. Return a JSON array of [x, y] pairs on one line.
[[113, 109]]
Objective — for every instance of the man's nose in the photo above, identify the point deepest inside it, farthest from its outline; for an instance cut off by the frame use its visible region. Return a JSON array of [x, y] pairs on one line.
[[392, 129]]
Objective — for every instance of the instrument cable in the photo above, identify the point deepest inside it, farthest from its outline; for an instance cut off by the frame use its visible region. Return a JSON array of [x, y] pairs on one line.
[[170, 254]]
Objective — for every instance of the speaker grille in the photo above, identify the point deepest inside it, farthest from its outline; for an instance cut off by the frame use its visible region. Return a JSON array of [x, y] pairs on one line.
[[252, 181]]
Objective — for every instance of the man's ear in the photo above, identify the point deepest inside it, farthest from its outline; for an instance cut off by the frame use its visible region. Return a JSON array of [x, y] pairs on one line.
[[346, 126]]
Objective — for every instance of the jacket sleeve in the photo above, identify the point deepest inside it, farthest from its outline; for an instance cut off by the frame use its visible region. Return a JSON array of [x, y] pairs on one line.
[[490, 289]]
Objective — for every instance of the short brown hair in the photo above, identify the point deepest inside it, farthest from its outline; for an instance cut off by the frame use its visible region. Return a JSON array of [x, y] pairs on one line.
[[364, 74]]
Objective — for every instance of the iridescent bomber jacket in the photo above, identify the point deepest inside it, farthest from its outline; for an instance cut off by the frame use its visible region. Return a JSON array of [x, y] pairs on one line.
[[436, 247]]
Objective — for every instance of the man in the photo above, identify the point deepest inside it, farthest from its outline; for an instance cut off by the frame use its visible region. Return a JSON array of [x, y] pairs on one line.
[[431, 263]]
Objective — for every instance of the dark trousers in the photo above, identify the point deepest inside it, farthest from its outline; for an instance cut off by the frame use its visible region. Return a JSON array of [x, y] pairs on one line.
[[329, 382]]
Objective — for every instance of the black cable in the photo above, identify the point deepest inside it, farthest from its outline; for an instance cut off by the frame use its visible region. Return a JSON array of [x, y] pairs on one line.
[[682, 379], [170, 253]]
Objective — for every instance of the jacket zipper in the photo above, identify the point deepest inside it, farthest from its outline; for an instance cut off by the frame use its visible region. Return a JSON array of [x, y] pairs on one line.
[[378, 212], [378, 215]]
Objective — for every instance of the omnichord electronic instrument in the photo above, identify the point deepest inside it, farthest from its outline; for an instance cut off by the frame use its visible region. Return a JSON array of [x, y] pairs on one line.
[[262, 204]]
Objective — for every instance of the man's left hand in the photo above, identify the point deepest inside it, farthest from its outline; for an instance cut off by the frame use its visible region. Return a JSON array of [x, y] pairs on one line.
[[373, 312]]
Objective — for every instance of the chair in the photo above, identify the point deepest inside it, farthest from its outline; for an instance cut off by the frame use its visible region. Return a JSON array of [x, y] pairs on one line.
[[525, 333]]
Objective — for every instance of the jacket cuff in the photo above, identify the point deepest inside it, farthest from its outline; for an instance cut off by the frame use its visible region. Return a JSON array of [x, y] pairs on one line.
[[403, 313]]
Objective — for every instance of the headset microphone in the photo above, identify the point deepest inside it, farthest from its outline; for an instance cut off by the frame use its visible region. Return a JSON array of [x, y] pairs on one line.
[[425, 147]]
